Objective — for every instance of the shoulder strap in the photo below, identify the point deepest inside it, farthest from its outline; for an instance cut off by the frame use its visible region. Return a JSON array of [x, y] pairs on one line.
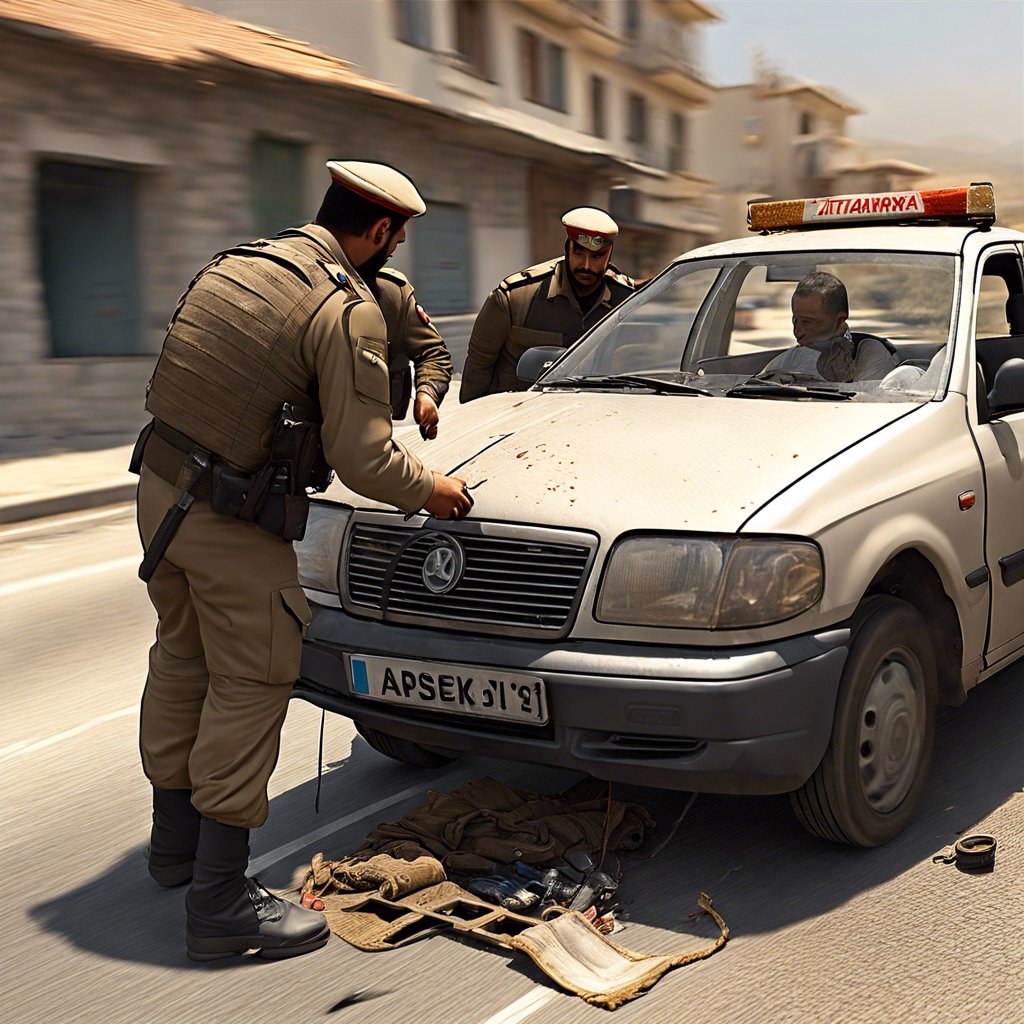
[[392, 275], [612, 273], [534, 273], [859, 337]]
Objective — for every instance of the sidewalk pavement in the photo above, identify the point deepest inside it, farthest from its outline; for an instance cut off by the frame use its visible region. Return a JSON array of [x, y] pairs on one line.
[[49, 484]]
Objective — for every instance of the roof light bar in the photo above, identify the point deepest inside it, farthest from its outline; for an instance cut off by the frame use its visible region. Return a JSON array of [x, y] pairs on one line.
[[972, 204]]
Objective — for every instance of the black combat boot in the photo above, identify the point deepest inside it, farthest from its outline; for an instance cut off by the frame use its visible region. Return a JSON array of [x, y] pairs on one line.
[[229, 913], [175, 835]]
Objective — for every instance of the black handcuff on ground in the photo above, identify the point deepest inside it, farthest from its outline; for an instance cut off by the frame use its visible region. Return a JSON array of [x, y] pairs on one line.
[[973, 854]]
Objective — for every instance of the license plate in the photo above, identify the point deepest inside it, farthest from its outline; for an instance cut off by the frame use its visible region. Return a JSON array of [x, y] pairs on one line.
[[456, 689]]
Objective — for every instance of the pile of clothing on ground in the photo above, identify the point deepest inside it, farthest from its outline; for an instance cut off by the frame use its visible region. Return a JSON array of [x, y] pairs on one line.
[[522, 851], [516, 869]]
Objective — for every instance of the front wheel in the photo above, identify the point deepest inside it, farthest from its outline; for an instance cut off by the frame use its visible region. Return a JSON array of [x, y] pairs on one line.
[[407, 751], [873, 774]]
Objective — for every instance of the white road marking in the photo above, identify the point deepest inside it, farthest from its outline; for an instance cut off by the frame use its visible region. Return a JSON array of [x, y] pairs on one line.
[[30, 746], [263, 862], [10, 589], [523, 1008], [57, 523], [12, 748]]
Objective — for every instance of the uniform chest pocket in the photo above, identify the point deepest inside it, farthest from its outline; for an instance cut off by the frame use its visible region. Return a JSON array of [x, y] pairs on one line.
[[370, 356], [522, 338]]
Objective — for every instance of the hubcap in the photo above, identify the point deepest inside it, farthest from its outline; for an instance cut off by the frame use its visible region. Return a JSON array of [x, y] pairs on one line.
[[891, 735]]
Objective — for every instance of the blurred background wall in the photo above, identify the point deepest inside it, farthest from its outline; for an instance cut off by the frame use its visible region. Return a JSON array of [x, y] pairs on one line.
[[140, 137]]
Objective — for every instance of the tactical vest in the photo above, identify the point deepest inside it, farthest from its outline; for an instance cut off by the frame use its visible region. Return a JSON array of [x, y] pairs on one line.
[[229, 359]]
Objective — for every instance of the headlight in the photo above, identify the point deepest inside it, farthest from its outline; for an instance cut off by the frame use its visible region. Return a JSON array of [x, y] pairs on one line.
[[319, 551], [709, 582]]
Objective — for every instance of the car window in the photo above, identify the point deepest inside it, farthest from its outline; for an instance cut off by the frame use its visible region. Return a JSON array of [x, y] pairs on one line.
[[717, 323]]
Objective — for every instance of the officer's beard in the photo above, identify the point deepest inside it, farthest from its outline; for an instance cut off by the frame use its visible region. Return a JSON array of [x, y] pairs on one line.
[[369, 269]]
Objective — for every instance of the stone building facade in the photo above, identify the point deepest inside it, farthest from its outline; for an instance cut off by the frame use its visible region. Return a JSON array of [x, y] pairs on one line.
[[139, 139]]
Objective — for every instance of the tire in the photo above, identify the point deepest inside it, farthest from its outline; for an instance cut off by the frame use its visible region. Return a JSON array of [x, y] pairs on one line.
[[405, 750], [873, 774]]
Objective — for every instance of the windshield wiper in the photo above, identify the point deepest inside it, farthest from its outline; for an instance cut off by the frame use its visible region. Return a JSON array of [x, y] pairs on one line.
[[631, 380], [776, 389]]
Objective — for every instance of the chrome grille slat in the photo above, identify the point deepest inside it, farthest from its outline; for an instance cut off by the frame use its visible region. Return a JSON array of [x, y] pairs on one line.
[[468, 582], [509, 584]]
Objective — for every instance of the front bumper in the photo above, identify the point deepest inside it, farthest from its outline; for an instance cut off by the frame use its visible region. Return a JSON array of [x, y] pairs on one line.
[[753, 720]]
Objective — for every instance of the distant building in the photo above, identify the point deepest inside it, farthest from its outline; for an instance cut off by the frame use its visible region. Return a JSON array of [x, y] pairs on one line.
[[141, 137], [881, 176], [615, 83], [776, 136]]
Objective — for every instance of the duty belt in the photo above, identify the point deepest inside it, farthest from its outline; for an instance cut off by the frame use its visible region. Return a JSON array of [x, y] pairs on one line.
[[166, 453]]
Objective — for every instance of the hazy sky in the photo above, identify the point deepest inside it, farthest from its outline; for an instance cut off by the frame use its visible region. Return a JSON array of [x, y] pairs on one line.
[[920, 69]]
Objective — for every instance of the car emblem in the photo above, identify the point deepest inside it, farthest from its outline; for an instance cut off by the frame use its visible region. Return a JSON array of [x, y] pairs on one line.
[[444, 565]]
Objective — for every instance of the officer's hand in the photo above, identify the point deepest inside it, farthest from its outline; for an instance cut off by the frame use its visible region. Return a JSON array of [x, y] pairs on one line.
[[426, 415], [449, 499]]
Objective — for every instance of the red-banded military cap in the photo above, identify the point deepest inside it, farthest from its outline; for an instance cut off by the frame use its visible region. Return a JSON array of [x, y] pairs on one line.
[[590, 227], [380, 184]]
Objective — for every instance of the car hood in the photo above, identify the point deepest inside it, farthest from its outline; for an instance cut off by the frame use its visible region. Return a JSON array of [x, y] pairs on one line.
[[611, 462]]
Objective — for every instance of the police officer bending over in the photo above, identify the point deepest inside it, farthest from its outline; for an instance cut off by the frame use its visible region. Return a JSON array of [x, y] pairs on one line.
[[274, 345], [553, 303]]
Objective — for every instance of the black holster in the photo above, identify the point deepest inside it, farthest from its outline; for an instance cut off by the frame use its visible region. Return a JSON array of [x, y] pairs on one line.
[[275, 497]]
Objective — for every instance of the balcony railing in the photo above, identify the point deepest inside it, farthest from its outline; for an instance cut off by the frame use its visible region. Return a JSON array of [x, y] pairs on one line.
[[663, 47]]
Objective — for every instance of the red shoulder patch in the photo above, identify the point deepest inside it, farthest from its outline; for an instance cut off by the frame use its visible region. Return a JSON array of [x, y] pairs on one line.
[[422, 313]]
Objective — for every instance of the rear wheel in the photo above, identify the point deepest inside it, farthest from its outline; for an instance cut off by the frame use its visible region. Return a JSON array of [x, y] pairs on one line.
[[405, 750], [872, 777]]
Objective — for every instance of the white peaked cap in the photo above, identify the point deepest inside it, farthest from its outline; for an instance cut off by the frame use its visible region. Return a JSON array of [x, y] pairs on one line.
[[380, 184], [590, 227]]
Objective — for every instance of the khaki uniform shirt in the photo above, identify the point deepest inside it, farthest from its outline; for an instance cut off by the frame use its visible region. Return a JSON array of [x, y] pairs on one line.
[[534, 307], [355, 398], [411, 337]]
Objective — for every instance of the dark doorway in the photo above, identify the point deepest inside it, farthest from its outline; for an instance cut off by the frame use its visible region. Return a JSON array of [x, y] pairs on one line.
[[442, 271], [88, 256]]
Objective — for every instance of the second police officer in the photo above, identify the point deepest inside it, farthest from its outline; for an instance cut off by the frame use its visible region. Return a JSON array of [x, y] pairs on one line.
[[552, 303]]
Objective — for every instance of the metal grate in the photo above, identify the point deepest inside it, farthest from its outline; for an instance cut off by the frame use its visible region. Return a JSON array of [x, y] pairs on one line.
[[509, 583]]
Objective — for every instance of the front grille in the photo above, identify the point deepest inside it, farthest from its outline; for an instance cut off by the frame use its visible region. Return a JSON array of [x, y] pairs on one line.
[[509, 584]]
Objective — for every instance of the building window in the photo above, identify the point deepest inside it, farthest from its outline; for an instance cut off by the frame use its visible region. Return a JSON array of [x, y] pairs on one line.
[[471, 35], [87, 255], [631, 12], [677, 143], [636, 120], [752, 125], [542, 65], [598, 119], [412, 22], [278, 171], [806, 124]]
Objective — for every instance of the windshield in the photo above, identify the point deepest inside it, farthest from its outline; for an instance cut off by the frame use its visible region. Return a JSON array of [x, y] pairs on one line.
[[726, 327]]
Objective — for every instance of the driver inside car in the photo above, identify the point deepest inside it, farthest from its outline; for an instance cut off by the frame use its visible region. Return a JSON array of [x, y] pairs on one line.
[[825, 345]]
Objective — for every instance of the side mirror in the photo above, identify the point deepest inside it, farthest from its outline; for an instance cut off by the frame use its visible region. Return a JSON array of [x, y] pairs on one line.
[[535, 361], [1007, 392]]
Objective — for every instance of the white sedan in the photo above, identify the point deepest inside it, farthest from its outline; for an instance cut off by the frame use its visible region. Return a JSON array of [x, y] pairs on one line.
[[699, 561]]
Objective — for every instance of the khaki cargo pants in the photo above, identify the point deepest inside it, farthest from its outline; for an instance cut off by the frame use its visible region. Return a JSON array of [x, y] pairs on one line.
[[228, 641]]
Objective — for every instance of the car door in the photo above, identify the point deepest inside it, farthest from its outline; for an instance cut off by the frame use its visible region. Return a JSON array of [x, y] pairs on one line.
[[1000, 276]]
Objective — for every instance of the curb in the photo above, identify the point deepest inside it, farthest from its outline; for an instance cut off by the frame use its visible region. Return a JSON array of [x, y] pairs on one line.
[[36, 508]]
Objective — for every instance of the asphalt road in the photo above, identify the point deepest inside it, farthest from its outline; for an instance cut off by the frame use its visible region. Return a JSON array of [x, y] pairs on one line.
[[820, 933]]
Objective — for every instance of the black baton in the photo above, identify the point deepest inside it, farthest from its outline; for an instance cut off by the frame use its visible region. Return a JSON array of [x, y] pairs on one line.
[[199, 467]]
